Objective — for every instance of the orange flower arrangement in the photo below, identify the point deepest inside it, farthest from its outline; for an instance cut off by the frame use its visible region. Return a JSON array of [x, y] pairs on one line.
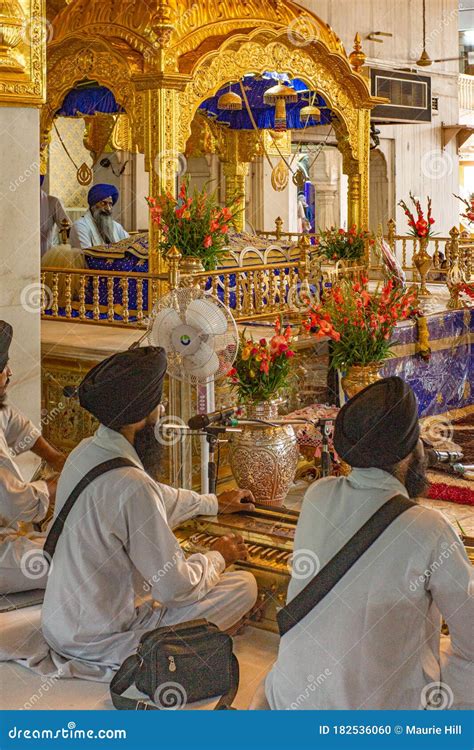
[[197, 225], [420, 227], [360, 323], [262, 367]]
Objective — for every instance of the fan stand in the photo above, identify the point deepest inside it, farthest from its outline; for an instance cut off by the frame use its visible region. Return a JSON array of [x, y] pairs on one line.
[[206, 404]]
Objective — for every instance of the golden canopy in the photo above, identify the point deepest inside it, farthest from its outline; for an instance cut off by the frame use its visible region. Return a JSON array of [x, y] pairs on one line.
[[161, 64]]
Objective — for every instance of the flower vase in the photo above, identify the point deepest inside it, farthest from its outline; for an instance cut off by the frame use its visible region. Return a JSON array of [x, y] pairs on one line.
[[422, 261], [263, 458], [190, 264], [359, 377]]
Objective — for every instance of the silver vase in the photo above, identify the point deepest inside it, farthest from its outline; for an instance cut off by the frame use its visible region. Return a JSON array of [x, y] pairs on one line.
[[263, 459]]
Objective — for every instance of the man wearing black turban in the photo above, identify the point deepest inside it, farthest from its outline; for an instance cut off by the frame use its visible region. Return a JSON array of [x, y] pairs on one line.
[[22, 504], [374, 640], [117, 545]]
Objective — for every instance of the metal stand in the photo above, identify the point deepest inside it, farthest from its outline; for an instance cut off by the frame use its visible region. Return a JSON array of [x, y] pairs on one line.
[[212, 438]]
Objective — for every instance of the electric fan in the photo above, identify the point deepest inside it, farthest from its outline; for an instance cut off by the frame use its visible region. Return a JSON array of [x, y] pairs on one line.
[[198, 333]]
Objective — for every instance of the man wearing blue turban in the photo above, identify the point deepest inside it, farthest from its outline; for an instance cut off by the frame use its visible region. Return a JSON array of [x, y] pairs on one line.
[[97, 227]]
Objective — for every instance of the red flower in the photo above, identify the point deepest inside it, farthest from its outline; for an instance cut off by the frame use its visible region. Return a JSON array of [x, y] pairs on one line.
[[263, 342], [207, 241]]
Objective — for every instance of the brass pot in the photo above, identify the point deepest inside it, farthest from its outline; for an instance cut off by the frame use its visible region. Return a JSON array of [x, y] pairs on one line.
[[190, 264], [422, 261], [264, 459], [359, 377]]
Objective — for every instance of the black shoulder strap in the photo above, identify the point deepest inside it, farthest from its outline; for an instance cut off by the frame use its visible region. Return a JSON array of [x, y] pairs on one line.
[[125, 678], [341, 563], [58, 525]]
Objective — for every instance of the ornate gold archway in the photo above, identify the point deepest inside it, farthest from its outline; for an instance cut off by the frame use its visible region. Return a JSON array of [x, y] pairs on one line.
[[162, 65]]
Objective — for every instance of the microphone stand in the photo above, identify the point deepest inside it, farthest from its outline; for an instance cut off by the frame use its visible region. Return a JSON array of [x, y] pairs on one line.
[[212, 437]]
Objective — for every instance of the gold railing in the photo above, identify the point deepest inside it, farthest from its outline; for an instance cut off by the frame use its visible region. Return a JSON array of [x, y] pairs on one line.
[[125, 299], [90, 296]]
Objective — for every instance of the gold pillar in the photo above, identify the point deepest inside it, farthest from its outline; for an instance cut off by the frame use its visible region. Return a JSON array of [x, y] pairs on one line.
[[22, 53], [354, 213], [235, 173]]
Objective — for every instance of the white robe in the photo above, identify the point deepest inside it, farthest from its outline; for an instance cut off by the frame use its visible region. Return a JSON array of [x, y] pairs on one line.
[[116, 547], [21, 504], [374, 641], [52, 214], [85, 233]]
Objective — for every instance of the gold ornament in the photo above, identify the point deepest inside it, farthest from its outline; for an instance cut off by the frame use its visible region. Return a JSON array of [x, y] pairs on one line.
[[12, 27], [84, 175], [230, 101], [280, 176]]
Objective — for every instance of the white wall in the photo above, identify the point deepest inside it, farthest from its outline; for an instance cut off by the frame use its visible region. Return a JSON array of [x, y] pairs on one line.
[[419, 163], [20, 253]]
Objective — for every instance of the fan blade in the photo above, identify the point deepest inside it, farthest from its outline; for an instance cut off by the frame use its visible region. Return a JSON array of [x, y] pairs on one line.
[[163, 326], [207, 316], [203, 363]]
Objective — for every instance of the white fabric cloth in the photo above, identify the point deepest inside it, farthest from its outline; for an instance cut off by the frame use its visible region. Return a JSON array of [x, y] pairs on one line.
[[21, 504], [52, 214], [118, 547], [374, 641], [85, 233]]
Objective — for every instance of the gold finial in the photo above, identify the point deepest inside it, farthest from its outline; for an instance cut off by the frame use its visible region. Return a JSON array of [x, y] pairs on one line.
[[173, 257], [357, 57], [279, 227], [64, 231], [162, 23]]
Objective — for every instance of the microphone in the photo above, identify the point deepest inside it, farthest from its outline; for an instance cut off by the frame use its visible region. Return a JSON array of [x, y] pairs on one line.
[[201, 421], [443, 457]]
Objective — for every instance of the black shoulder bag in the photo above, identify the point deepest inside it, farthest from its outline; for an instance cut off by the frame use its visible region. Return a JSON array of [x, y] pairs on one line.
[[174, 665], [341, 563], [177, 665]]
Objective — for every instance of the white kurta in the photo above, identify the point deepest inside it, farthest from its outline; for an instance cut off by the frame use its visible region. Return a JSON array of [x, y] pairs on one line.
[[85, 233], [52, 214], [20, 503], [116, 547], [374, 641]]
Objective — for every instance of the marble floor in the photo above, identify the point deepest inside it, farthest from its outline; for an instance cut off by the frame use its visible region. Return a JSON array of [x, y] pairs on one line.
[[255, 649]]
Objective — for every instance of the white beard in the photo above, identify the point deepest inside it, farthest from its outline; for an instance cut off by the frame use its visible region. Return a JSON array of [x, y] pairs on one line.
[[105, 224]]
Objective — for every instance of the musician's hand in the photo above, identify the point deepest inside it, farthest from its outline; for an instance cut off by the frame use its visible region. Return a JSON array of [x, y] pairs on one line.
[[231, 547], [52, 486], [235, 501]]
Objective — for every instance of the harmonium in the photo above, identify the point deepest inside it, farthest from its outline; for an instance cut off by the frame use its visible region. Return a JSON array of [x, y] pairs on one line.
[[269, 534]]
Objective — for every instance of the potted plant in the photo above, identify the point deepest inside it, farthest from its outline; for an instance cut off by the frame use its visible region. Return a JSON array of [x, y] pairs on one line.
[[422, 229], [263, 458], [360, 324], [339, 244], [196, 224]]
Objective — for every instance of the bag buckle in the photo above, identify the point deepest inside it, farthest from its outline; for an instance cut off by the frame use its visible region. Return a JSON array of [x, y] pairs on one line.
[[141, 706]]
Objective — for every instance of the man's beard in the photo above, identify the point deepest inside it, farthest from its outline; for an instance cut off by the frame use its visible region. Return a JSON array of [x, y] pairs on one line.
[[3, 395], [149, 450], [416, 481], [104, 223]]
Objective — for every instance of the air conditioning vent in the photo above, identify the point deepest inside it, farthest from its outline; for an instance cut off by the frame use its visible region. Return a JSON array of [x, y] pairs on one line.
[[435, 105], [409, 95]]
